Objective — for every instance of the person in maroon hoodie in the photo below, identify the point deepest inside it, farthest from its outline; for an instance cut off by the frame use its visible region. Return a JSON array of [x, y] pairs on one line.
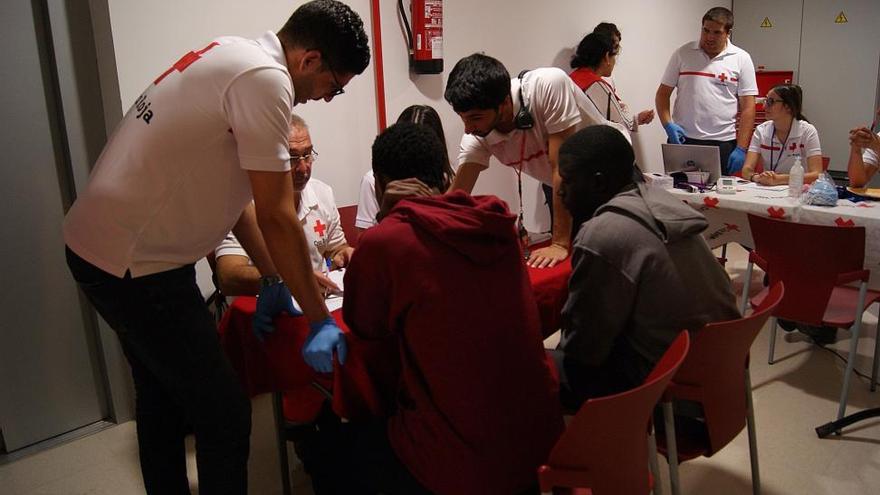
[[442, 280]]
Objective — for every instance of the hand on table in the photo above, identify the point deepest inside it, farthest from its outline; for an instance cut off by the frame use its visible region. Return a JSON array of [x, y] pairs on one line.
[[326, 284], [645, 117], [272, 300], [341, 259], [547, 257], [324, 338], [767, 178]]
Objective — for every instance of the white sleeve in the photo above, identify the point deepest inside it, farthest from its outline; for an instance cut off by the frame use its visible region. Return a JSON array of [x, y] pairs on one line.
[[810, 142], [473, 150], [368, 207], [748, 82], [554, 100], [869, 157], [258, 105], [230, 246], [670, 75], [755, 143]]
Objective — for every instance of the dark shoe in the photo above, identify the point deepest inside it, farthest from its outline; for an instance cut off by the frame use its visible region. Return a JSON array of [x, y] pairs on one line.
[[787, 325], [823, 335]]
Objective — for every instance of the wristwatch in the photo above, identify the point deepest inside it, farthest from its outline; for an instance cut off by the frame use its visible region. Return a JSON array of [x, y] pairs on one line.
[[267, 280]]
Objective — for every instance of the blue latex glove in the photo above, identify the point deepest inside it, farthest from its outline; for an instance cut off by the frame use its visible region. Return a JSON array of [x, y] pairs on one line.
[[272, 300], [736, 160], [324, 338], [674, 133]]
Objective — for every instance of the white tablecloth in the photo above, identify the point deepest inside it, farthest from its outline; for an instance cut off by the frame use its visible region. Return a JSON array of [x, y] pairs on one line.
[[728, 222]]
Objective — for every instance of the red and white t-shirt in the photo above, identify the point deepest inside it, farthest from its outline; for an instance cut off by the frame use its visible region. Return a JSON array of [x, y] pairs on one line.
[[709, 89], [778, 156], [172, 180]]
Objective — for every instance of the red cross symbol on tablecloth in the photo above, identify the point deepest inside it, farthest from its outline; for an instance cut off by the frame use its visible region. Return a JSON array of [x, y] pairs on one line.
[[844, 223], [319, 227], [776, 212], [710, 202], [722, 77], [732, 227]]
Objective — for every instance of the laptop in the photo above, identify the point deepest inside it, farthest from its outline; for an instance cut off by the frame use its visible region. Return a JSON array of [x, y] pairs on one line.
[[692, 157]]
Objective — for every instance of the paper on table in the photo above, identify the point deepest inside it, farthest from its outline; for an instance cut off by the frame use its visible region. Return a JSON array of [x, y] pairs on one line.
[[333, 302], [761, 187]]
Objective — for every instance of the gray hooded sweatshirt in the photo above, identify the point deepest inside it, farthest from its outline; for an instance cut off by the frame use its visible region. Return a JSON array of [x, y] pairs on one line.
[[641, 273]]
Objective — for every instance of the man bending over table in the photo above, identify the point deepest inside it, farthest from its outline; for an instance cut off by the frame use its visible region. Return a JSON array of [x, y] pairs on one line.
[[471, 403], [641, 271]]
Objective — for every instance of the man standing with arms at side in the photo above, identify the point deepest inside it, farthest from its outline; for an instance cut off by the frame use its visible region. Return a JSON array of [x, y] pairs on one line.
[[207, 136], [714, 78], [521, 122]]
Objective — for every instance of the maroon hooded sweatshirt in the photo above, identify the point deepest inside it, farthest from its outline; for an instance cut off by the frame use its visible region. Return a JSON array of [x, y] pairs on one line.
[[476, 406]]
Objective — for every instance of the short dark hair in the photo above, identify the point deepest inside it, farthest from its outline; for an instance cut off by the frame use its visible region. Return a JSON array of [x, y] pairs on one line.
[[477, 82], [608, 28], [333, 29], [406, 150], [592, 49], [426, 115], [598, 149], [720, 15]]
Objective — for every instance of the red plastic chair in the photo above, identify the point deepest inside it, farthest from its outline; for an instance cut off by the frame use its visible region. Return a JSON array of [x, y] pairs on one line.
[[347, 217], [716, 375], [604, 450], [815, 262]]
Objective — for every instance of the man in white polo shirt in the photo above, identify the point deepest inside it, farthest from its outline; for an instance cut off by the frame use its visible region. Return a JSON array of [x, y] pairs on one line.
[[714, 78], [207, 136], [316, 208], [521, 122]]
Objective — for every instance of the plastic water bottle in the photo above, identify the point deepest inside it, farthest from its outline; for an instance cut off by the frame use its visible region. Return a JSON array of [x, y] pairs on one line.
[[796, 179]]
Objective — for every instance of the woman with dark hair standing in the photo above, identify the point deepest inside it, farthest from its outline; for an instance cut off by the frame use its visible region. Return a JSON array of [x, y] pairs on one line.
[[368, 207], [785, 136], [594, 60]]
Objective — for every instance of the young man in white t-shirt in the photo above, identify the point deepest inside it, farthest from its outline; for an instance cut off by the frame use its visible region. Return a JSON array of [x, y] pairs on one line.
[[206, 137], [521, 122], [714, 78], [316, 208]]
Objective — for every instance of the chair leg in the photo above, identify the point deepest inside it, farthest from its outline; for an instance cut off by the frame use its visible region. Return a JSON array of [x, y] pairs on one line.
[[853, 350], [772, 339], [278, 410], [753, 441], [747, 283], [654, 464], [671, 448], [876, 352]]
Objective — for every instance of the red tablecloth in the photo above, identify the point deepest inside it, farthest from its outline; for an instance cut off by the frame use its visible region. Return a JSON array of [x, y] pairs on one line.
[[277, 365]]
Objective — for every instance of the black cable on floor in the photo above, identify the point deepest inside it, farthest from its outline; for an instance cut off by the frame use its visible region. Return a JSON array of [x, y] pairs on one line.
[[846, 361]]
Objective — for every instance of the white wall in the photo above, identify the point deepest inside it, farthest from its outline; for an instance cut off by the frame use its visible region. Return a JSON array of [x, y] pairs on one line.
[[149, 36]]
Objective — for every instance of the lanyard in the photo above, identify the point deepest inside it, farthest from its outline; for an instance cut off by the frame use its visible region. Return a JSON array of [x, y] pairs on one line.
[[521, 229], [773, 166]]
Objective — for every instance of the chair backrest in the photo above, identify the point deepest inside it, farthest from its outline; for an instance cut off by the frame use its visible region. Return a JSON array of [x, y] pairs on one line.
[[714, 371], [808, 259], [347, 217], [605, 445]]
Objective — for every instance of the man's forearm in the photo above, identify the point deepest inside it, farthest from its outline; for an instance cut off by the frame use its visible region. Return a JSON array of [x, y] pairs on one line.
[[561, 218], [243, 280], [247, 231], [661, 101]]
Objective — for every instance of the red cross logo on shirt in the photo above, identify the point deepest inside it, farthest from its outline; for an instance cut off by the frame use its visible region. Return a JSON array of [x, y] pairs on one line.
[[792, 146], [722, 77], [319, 227]]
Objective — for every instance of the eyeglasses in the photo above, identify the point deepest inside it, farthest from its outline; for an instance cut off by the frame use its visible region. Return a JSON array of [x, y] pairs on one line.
[[338, 89], [768, 101], [308, 157]]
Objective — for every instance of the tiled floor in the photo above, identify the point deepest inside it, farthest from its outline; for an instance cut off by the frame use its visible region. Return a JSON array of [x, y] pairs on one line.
[[792, 397]]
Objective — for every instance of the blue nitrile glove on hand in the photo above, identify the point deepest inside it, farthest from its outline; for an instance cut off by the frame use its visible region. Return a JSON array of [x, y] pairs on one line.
[[674, 133], [736, 160], [324, 338], [274, 297]]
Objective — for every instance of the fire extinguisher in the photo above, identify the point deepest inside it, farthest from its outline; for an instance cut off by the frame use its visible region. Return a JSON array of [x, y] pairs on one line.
[[425, 40]]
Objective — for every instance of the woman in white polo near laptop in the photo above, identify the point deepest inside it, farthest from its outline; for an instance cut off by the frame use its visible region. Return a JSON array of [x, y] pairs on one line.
[[785, 136]]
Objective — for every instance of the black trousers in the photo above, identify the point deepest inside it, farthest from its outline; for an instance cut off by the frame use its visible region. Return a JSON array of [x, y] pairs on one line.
[[182, 378], [725, 148]]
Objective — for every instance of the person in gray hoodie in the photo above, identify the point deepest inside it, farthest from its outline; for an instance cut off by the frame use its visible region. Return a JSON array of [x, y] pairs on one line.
[[641, 271]]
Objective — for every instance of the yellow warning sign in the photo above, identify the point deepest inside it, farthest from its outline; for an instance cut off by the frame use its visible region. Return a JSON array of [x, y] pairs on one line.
[[841, 18], [766, 23]]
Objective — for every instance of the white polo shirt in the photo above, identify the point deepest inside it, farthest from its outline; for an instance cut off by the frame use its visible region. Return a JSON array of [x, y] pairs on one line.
[[869, 157], [320, 220], [803, 141], [172, 180], [708, 89], [556, 103], [368, 206]]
